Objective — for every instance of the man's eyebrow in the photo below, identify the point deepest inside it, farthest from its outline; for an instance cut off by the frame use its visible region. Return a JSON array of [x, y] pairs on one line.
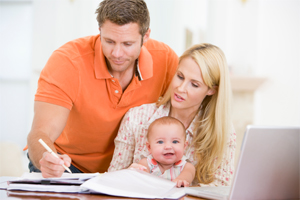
[[106, 38], [128, 41]]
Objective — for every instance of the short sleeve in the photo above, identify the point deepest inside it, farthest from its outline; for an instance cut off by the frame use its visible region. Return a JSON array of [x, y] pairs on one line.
[[59, 81]]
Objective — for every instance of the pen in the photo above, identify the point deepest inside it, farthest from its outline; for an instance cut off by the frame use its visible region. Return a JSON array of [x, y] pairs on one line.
[[54, 154]]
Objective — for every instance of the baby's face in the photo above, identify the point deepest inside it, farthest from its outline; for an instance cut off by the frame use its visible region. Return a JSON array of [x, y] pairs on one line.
[[167, 143]]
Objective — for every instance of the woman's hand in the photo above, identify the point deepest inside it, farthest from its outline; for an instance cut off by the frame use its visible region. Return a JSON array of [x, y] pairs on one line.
[[142, 165], [138, 166]]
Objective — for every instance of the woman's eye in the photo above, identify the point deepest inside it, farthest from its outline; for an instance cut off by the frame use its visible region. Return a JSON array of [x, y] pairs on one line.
[[195, 85]]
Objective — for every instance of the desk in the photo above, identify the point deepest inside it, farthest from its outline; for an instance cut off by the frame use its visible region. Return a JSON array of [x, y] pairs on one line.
[[20, 195]]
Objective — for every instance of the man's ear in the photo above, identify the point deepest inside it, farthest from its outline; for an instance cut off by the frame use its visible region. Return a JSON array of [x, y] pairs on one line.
[[212, 91], [147, 35], [148, 147]]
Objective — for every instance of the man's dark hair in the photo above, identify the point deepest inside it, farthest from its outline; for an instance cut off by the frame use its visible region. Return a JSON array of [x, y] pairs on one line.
[[122, 12]]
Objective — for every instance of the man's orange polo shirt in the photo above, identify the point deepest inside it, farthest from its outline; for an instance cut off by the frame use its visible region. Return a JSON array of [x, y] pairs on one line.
[[76, 77]]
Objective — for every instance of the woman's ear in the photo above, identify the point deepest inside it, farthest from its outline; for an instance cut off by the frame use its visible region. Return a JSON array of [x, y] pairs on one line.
[[212, 91]]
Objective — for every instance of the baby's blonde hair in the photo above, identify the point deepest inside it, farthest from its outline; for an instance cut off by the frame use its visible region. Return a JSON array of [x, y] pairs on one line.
[[166, 121]]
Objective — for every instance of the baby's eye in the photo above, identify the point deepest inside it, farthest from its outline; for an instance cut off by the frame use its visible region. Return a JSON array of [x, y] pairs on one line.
[[160, 142], [175, 141]]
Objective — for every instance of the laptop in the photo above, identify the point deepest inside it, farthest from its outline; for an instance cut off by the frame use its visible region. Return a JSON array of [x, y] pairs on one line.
[[268, 167]]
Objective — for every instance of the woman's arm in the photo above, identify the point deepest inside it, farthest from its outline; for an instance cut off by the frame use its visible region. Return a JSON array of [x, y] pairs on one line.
[[124, 146], [186, 176]]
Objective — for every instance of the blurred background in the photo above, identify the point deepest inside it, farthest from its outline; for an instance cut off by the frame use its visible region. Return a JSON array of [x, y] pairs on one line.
[[260, 38]]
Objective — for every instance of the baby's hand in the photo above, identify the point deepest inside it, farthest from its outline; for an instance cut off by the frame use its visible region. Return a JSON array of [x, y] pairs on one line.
[[181, 183], [138, 166]]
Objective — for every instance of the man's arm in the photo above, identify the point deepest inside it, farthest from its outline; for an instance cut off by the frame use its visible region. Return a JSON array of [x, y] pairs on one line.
[[48, 123]]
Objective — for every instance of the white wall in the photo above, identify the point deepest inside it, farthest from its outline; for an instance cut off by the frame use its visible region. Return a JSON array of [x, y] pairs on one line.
[[262, 38], [278, 101], [170, 18], [15, 70], [15, 75], [233, 25]]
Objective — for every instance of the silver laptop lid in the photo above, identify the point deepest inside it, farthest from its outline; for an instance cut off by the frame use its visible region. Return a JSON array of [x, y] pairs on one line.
[[269, 162]]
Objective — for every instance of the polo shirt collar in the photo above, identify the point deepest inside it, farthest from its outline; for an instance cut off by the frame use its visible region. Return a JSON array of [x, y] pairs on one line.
[[144, 66]]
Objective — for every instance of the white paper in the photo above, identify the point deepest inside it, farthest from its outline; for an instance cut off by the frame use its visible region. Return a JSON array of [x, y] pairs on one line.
[[176, 193], [67, 183], [65, 176], [133, 183], [124, 183], [220, 193], [4, 180], [45, 188]]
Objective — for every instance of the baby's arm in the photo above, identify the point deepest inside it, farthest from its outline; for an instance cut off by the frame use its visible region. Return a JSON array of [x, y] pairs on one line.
[[186, 176], [142, 165]]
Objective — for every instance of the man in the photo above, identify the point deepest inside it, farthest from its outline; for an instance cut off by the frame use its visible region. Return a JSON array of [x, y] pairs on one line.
[[88, 85]]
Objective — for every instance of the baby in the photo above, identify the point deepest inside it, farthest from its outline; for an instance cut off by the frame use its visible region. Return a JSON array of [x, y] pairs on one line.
[[166, 145]]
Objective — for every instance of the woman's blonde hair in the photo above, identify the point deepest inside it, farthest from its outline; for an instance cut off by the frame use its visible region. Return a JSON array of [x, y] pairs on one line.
[[214, 121]]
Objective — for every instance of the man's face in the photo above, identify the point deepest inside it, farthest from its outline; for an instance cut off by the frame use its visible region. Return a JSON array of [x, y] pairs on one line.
[[121, 45]]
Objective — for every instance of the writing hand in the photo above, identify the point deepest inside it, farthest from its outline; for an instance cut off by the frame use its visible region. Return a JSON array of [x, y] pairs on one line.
[[51, 166]]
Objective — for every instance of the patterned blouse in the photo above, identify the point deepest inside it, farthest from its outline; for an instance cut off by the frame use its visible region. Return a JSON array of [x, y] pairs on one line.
[[130, 143]]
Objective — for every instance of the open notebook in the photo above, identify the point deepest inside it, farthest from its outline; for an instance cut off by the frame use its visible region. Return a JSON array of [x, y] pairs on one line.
[[268, 167]]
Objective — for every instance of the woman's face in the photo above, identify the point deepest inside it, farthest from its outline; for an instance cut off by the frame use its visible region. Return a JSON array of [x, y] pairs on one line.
[[187, 87]]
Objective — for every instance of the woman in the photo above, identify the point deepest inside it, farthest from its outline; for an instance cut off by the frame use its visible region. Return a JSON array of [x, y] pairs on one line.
[[198, 96]]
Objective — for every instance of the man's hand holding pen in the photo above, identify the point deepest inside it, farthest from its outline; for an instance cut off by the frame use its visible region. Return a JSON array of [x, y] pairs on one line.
[[52, 166]]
